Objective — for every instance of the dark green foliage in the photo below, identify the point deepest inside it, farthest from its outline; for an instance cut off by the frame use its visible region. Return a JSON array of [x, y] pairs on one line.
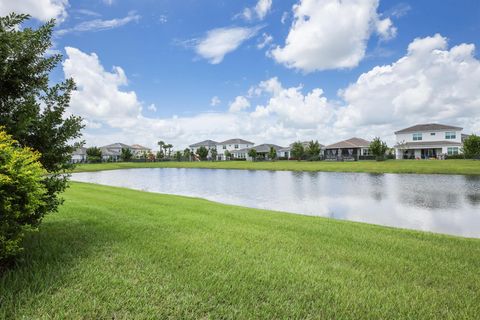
[[186, 154], [272, 154], [471, 147], [298, 152], [252, 153], [202, 153], [160, 155], [214, 153], [94, 155], [378, 148], [313, 150], [227, 154], [178, 156], [22, 194], [33, 111], [126, 154]]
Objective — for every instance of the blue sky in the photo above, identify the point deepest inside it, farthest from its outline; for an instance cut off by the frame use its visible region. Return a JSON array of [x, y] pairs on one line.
[[166, 84]]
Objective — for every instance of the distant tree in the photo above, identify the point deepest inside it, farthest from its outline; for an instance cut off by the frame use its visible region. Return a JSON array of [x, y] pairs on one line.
[[160, 155], [272, 154], [378, 148], [252, 153], [21, 195], [178, 156], [313, 150], [214, 153], [161, 144], [298, 151], [186, 154], [126, 154], [228, 155], [169, 148], [471, 147], [202, 153], [150, 156], [94, 155]]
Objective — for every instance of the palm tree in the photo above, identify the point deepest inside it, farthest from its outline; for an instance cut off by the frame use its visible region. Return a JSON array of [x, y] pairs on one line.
[[161, 144], [186, 154], [169, 147]]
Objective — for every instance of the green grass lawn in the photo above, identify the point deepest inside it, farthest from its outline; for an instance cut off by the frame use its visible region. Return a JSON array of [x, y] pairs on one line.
[[391, 166], [116, 253]]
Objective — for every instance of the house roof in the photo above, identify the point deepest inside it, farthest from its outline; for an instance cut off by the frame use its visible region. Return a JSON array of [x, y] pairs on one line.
[[266, 147], [110, 152], [236, 141], [80, 151], [423, 144], [140, 147], [350, 143], [205, 143], [117, 145], [428, 127]]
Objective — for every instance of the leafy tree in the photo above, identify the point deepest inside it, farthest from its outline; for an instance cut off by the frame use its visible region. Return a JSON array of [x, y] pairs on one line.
[[178, 156], [150, 156], [202, 153], [227, 154], [160, 155], [272, 154], [313, 150], [33, 110], [378, 148], [471, 147], [214, 153], [94, 155], [252, 153], [298, 151], [22, 194], [186, 154], [126, 154]]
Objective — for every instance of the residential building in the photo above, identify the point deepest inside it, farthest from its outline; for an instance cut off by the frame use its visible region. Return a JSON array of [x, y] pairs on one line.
[[79, 155], [431, 140], [351, 149], [209, 144], [113, 152], [263, 151], [287, 152], [232, 145], [139, 151]]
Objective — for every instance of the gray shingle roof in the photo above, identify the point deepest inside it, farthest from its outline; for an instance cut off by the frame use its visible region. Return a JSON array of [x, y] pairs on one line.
[[80, 151], [350, 143], [262, 148], [139, 147], [205, 143], [117, 145], [236, 141], [428, 127]]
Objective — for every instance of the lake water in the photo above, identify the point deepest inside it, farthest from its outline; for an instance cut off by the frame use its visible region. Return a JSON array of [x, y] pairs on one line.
[[439, 203]]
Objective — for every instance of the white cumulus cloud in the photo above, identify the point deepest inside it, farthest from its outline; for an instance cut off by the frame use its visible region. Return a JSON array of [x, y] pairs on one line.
[[215, 101], [219, 42], [239, 104], [260, 10], [331, 34], [39, 9]]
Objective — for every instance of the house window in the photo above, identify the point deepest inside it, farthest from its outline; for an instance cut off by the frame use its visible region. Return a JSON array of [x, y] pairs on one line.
[[450, 135], [224, 147], [452, 150], [236, 146], [417, 136], [432, 134], [366, 152]]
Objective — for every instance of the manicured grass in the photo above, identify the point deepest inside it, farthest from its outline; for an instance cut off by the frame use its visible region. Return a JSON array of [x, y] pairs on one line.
[[391, 166], [117, 253]]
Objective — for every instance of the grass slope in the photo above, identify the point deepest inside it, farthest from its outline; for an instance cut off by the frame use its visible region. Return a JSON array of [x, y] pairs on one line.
[[117, 253], [392, 166]]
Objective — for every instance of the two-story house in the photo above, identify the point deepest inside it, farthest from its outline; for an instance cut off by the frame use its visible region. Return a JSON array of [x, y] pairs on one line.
[[232, 145], [424, 141], [208, 144]]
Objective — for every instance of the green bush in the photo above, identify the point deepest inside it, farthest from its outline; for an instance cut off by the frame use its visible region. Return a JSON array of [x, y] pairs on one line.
[[22, 193]]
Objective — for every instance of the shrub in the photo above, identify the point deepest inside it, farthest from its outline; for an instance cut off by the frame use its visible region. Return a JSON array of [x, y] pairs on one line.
[[471, 147], [22, 193], [94, 155], [378, 148], [455, 156]]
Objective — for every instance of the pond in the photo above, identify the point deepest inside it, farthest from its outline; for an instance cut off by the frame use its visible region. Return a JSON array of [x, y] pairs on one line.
[[447, 204]]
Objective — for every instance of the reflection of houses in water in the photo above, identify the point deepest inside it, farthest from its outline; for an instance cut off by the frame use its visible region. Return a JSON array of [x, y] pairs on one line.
[[473, 198], [430, 200]]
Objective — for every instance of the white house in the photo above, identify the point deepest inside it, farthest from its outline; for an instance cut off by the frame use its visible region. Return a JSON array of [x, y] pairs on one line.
[[113, 152], [287, 152], [351, 149], [232, 145], [139, 150], [79, 155], [263, 151], [208, 144], [424, 141]]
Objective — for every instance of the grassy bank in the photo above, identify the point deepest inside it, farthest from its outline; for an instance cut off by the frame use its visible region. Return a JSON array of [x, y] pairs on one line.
[[392, 166], [117, 253]]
